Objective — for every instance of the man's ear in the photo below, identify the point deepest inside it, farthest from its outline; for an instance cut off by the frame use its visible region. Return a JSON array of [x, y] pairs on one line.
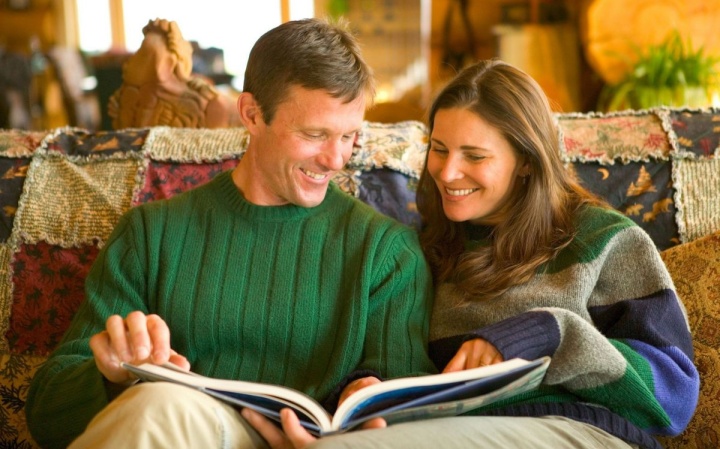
[[249, 111]]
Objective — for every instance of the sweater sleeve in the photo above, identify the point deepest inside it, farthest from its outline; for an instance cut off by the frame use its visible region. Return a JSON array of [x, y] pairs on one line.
[[632, 355], [68, 389]]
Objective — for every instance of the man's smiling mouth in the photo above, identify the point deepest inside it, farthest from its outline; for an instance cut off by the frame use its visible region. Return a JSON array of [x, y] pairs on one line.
[[313, 175]]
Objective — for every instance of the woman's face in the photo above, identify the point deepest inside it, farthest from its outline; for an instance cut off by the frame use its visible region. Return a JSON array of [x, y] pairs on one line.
[[474, 167]]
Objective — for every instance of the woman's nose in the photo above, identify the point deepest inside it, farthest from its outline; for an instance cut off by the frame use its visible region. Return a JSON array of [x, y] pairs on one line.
[[450, 170]]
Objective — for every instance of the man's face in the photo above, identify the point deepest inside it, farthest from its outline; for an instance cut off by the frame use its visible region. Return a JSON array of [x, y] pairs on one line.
[[310, 139]]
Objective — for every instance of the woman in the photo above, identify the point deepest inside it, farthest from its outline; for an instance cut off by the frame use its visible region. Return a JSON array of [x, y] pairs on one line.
[[529, 264]]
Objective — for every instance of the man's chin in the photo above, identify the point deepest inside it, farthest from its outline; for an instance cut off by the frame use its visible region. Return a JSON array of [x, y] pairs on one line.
[[311, 200]]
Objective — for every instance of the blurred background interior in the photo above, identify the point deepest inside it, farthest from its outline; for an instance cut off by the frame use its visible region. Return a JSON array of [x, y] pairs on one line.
[[61, 60]]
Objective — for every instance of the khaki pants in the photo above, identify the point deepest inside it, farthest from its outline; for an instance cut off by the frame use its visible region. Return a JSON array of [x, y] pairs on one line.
[[164, 415], [468, 432]]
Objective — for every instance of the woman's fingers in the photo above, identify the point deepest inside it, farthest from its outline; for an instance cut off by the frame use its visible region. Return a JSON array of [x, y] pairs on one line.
[[472, 354]]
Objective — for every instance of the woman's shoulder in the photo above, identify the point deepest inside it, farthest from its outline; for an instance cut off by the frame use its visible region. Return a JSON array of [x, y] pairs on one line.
[[596, 229], [590, 217], [597, 225]]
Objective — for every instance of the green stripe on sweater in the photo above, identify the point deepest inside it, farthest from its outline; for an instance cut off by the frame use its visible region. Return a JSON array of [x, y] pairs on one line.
[[595, 227], [643, 410]]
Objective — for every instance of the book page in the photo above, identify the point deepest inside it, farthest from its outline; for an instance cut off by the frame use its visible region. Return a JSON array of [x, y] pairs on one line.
[[461, 398], [242, 391], [397, 394]]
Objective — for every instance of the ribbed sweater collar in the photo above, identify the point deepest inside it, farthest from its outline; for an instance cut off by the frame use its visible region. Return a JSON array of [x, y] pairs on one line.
[[228, 193]]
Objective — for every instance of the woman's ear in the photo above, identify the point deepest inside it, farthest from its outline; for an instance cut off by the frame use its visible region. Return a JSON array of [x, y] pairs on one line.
[[249, 111], [524, 170]]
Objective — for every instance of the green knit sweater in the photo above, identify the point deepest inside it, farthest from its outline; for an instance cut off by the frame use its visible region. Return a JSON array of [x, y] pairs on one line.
[[295, 296]]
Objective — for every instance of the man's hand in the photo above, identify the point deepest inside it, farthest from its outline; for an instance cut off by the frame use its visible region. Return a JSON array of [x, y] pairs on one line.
[[472, 354], [293, 435], [138, 338]]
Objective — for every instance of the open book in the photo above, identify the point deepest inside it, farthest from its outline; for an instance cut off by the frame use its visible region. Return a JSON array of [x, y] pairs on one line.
[[396, 400]]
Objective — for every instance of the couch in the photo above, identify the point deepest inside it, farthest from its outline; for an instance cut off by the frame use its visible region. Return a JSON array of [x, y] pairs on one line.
[[63, 190]]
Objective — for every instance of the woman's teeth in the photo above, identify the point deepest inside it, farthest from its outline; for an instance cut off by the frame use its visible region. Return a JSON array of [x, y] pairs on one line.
[[459, 192]]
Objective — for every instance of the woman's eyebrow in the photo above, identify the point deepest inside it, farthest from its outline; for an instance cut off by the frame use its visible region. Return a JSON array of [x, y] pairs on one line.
[[462, 147]]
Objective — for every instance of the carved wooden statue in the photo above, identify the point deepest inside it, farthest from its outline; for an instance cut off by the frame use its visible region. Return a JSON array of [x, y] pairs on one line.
[[158, 89]]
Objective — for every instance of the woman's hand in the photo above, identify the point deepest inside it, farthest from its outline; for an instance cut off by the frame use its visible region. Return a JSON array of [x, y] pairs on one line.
[[472, 354], [359, 384]]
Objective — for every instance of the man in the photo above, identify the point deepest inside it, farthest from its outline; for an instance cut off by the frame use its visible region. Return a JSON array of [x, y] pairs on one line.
[[267, 273]]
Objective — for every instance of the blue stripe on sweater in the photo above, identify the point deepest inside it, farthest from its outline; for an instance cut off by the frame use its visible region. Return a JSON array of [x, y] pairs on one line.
[[655, 319], [675, 383]]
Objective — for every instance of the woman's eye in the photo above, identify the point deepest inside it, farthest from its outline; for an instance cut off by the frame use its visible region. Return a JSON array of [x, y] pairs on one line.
[[475, 158]]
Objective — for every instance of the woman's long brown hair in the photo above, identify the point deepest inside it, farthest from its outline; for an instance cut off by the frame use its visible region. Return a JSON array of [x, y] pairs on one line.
[[540, 212]]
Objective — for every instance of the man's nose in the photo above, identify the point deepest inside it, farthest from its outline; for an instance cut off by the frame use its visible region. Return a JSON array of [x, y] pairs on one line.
[[332, 156]]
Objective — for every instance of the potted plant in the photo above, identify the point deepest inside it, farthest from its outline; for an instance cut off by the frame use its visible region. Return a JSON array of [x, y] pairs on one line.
[[669, 74]]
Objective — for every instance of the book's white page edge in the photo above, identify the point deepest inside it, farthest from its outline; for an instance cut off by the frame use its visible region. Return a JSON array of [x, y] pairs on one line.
[[527, 382], [285, 394], [433, 379]]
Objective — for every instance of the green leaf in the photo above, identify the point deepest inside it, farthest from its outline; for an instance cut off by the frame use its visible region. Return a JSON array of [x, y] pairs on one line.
[[663, 74]]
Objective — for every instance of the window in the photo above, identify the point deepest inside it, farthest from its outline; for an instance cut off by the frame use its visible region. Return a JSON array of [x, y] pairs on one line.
[[231, 26]]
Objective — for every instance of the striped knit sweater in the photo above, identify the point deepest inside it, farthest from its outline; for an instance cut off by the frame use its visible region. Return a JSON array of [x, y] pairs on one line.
[[607, 313], [287, 295]]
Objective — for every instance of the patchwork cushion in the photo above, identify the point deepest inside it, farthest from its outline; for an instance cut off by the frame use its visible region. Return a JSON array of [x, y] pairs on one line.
[[698, 195], [391, 193], [641, 190], [49, 286], [607, 138], [12, 180], [15, 374], [84, 143], [195, 145], [71, 202], [396, 146], [14, 143], [695, 269], [697, 132], [167, 179]]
